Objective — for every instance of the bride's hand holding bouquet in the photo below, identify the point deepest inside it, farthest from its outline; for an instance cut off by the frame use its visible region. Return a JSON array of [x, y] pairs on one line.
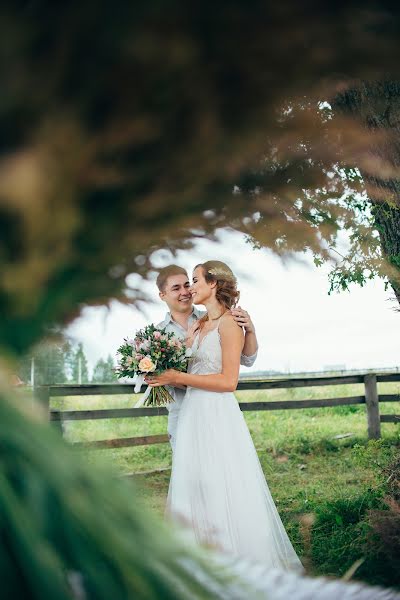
[[173, 377], [152, 351], [169, 377]]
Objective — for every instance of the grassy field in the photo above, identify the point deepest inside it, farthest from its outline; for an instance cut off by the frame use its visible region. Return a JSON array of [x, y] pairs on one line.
[[322, 483]]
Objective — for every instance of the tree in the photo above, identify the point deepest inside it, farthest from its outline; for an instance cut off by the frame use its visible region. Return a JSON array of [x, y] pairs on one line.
[[150, 140], [68, 359], [376, 105], [80, 373], [48, 364], [124, 127], [347, 215], [104, 371]]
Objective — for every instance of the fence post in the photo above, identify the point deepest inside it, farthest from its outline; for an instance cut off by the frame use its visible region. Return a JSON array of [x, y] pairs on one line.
[[372, 402], [42, 394]]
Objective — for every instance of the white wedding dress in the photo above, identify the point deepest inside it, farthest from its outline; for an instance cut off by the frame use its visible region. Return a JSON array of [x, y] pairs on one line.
[[217, 489]]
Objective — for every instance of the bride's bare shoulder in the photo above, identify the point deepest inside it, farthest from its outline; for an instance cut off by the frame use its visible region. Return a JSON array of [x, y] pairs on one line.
[[227, 317], [228, 325]]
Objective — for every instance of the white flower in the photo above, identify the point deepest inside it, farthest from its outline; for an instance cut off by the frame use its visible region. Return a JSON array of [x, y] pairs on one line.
[[188, 352], [146, 365]]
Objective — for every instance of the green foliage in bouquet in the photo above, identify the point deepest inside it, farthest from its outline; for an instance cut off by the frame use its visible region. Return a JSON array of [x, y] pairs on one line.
[[164, 350], [153, 350]]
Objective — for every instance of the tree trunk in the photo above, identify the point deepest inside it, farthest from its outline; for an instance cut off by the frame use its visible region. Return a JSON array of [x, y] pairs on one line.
[[377, 106]]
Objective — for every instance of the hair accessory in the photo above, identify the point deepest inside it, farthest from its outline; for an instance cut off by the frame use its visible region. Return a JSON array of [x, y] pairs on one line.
[[219, 269]]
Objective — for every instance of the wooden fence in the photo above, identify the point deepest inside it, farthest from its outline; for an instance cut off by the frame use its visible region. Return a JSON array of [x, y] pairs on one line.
[[371, 399]]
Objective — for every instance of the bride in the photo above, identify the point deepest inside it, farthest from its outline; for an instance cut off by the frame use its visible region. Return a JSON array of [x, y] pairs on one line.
[[217, 486]]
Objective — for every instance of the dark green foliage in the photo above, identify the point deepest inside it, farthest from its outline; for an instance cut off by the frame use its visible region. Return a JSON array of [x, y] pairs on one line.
[[365, 527], [375, 105], [62, 520], [340, 534], [147, 115], [384, 541], [124, 126], [385, 523]]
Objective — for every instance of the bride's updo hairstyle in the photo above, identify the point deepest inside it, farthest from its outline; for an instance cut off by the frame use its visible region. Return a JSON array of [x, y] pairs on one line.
[[227, 293]]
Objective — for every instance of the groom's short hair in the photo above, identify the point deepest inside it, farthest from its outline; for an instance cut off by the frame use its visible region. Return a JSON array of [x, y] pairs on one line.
[[166, 272]]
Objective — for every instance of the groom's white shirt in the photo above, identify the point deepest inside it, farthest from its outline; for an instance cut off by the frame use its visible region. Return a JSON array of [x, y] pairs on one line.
[[172, 326]]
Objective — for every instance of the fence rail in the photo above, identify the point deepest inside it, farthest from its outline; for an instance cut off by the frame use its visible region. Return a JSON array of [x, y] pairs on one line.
[[371, 399]]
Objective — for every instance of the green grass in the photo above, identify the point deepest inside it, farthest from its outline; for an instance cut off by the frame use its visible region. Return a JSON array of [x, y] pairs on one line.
[[322, 489]]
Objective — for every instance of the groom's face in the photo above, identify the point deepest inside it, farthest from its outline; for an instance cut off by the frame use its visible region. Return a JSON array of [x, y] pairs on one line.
[[176, 294]]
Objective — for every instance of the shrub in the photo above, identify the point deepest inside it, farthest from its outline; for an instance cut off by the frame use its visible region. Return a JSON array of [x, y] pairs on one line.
[[386, 523], [340, 536]]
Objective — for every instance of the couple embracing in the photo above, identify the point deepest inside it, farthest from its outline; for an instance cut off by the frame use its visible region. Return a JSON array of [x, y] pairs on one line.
[[217, 489]]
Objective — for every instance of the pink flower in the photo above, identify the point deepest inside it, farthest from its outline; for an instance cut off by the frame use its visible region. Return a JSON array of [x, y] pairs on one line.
[[145, 345], [157, 335]]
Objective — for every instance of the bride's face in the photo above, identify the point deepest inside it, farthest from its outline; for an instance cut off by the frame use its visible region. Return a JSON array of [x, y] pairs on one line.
[[200, 289]]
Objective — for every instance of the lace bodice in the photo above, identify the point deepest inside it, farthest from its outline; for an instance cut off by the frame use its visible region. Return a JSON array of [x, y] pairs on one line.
[[207, 354]]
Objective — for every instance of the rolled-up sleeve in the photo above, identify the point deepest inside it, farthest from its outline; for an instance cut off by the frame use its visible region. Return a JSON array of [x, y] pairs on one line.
[[248, 361]]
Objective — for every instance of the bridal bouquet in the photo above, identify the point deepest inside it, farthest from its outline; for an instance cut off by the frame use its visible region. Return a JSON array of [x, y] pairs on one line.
[[152, 350]]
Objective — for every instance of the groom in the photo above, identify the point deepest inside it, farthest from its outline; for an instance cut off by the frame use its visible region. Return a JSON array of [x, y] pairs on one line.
[[173, 285]]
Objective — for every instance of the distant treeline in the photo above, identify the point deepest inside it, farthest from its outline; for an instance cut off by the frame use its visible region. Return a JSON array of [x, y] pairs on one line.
[[61, 362], [284, 374]]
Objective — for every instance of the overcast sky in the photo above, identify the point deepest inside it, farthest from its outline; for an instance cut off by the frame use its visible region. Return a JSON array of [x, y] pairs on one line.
[[299, 327]]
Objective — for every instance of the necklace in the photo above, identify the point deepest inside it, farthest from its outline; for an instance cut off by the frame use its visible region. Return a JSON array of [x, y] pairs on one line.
[[216, 318]]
